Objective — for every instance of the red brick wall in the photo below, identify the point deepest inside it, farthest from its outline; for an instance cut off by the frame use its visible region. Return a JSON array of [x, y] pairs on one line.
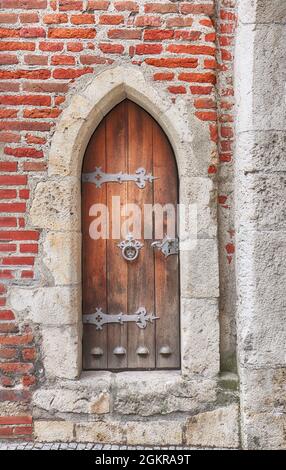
[[45, 47]]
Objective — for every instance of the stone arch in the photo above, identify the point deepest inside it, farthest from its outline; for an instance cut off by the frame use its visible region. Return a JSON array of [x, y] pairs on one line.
[[56, 210]]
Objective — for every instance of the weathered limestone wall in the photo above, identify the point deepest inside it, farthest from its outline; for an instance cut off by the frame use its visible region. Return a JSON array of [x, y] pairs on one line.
[[260, 221]]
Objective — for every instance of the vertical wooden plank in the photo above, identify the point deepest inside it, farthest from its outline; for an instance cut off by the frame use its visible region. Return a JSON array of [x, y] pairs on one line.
[[166, 269], [140, 271], [116, 156], [94, 255]]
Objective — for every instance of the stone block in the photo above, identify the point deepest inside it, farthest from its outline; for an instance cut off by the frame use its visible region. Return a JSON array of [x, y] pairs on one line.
[[154, 433], [62, 256], [56, 204], [108, 432], [53, 431], [200, 337], [218, 428]]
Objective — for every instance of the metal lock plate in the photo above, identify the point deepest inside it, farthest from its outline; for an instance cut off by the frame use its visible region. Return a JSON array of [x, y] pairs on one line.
[[168, 246]]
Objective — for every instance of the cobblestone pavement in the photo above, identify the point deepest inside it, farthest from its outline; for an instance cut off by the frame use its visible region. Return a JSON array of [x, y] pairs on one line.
[[78, 446]]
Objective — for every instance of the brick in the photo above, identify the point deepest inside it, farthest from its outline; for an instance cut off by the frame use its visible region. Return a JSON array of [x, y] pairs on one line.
[[206, 115], [173, 63], [205, 103], [227, 28], [67, 5], [71, 73], [124, 34], [160, 8], [178, 90], [41, 114], [8, 222], [29, 18], [29, 248], [62, 60], [7, 247], [68, 33], [7, 354], [148, 21], [8, 18], [24, 4], [188, 49], [29, 74], [187, 35], [9, 420], [16, 339], [111, 19], [34, 166], [82, 19], [111, 48], [8, 113], [201, 90], [98, 5], [27, 274], [10, 180], [3, 289], [206, 22], [6, 274], [33, 139], [29, 354], [17, 46], [158, 34], [198, 77], [226, 40], [51, 46], [8, 328], [55, 18], [35, 100], [13, 207], [148, 49], [92, 59], [16, 367], [32, 33], [179, 21], [126, 6], [227, 15], [9, 33], [9, 86], [6, 431], [74, 47], [18, 261], [8, 166], [9, 137], [24, 193], [25, 125], [7, 314], [210, 64], [36, 60], [210, 37], [226, 132], [162, 76], [8, 193], [8, 59], [204, 9], [23, 430], [25, 152], [45, 87], [28, 380]]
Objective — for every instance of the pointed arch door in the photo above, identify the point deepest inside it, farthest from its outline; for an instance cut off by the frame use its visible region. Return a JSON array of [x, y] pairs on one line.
[[114, 286]]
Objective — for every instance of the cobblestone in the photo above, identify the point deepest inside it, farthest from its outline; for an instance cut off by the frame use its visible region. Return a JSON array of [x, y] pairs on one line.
[[79, 446]]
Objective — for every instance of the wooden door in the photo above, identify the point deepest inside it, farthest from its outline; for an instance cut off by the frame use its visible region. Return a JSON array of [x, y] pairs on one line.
[[128, 139]]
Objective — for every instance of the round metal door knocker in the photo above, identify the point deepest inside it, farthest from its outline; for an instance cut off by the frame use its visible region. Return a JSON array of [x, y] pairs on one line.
[[130, 248]]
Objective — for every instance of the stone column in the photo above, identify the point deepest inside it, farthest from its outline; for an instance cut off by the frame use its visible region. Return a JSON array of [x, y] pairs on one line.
[[261, 220]]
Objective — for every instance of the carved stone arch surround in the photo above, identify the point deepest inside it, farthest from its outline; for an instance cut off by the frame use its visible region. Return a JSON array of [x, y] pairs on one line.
[[55, 305]]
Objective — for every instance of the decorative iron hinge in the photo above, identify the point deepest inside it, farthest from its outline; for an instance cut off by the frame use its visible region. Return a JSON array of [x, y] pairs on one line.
[[98, 177], [99, 318], [130, 248], [168, 246]]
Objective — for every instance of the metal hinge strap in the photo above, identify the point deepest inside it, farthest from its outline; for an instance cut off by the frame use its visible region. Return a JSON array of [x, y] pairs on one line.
[[99, 318]]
